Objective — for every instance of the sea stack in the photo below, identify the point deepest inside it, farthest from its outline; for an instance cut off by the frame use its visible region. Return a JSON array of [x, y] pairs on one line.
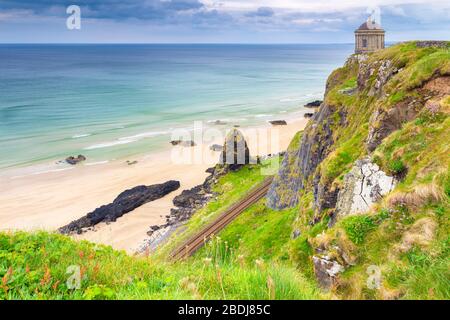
[[235, 152]]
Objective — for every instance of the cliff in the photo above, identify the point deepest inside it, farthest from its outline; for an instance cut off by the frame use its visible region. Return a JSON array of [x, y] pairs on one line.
[[365, 101], [374, 156]]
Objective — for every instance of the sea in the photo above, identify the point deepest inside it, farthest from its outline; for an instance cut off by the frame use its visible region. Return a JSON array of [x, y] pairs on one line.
[[116, 101]]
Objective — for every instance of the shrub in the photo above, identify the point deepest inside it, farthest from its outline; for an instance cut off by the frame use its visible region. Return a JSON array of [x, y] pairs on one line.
[[357, 227], [397, 166]]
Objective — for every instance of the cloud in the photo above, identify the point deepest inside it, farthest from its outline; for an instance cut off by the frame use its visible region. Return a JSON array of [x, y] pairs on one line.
[[222, 20], [107, 9], [262, 12], [317, 6]]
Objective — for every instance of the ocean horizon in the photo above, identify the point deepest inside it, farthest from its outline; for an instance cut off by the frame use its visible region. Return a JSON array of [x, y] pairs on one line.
[[109, 101]]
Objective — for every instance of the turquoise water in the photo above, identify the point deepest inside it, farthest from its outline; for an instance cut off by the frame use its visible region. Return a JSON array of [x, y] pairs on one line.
[[110, 101]]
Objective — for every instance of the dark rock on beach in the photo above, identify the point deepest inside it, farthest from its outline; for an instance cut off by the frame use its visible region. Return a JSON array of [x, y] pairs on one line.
[[187, 143], [219, 123], [185, 204], [126, 202], [216, 147], [210, 170], [314, 104], [308, 115], [74, 160], [278, 123]]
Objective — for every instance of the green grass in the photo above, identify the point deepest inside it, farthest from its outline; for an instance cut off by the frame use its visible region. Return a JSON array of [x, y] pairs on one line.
[[358, 227], [397, 166], [230, 189], [397, 97], [259, 233], [35, 265]]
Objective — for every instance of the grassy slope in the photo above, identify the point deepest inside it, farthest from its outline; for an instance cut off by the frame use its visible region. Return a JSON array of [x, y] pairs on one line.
[[33, 266], [230, 189]]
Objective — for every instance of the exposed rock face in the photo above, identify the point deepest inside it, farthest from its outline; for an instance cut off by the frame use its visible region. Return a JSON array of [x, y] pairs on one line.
[[438, 87], [364, 185], [298, 166], [326, 271], [384, 71], [295, 234], [330, 259], [429, 44], [127, 201], [235, 152], [384, 122], [74, 160]]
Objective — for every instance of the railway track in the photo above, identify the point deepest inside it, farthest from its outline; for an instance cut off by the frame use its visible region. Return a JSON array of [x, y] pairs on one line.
[[196, 242]]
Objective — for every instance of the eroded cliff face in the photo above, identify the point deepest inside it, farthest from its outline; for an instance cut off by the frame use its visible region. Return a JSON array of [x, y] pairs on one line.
[[299, 164], [370, 176], [363, 186], [365, 101]]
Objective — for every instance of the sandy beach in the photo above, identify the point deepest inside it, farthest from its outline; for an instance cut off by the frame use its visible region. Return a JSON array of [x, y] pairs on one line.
[[50, 200]]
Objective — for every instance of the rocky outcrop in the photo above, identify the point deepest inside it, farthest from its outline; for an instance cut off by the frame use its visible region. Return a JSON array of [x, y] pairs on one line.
[[314, 104], [188, 202], [298, 166], [216, 147], [383, 71], [235, 152], [187, 143], [331, 258], [364, 185], [219, 123], [75, 160], [326, 271], [430, 44], [126, 202], [385, 121], [276, 123], [308, 115]]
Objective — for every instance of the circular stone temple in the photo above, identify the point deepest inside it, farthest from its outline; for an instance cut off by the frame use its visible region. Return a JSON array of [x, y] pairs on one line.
[[369, 37]]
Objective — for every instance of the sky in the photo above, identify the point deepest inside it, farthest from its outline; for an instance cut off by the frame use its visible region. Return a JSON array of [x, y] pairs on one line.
[[219, 21]]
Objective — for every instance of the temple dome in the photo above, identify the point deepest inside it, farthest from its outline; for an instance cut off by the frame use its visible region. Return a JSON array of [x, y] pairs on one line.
[[370, 25]]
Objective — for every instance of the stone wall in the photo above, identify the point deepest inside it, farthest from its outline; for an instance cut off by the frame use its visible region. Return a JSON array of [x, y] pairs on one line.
[[374, 41]]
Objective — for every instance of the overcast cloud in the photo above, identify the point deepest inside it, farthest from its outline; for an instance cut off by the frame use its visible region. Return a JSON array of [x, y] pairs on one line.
[[254, 21]]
